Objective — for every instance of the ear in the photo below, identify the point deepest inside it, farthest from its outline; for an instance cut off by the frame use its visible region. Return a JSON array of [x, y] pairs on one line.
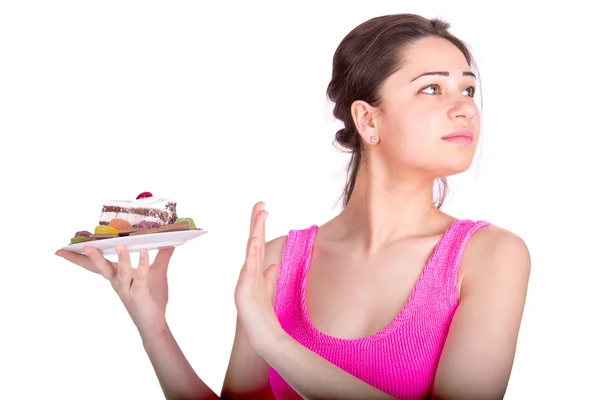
[[363, 115]]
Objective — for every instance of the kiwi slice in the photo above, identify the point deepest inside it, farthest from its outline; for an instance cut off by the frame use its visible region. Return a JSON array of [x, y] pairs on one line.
[[188, 220]]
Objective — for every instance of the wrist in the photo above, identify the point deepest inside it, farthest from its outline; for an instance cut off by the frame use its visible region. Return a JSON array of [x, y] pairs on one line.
[[150, 341], [273, 344]]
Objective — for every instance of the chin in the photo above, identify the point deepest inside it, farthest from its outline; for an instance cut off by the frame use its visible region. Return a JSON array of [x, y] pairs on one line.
[[455, 165]]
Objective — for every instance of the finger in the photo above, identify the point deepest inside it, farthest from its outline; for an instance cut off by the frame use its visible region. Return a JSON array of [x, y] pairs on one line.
[[78, 259], [251, 248], [258, 207], [260, 234], [124, 276], [142, 269], [262, 238], [163, 258], [104, 267]]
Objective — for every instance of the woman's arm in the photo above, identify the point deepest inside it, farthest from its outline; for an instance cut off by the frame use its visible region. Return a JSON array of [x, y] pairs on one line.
[[478, 355], [175, 374], [312, 376], [247, 376], [143, 291]]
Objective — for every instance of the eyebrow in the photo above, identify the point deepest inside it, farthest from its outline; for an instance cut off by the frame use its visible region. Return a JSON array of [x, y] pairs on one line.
[[442, 73]]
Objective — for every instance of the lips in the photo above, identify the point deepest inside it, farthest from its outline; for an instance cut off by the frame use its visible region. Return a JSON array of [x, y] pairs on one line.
[[460, 133]]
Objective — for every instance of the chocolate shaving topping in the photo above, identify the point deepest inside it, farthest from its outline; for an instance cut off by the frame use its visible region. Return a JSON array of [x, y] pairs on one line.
[[168, 215], [164, 215]]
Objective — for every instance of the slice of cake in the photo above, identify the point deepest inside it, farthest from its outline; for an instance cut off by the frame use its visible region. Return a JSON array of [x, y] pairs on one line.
[[146, 215], [146, 207]]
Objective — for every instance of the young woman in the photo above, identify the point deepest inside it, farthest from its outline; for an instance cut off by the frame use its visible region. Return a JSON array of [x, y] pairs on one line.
[[392, 298]]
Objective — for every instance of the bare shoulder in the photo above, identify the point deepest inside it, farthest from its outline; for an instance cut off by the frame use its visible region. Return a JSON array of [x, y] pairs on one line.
[[274, 250], [494, 250], [479, 351], [493, 237]]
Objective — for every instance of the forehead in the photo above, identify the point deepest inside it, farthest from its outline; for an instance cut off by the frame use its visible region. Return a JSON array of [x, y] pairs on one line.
[[432, 54]]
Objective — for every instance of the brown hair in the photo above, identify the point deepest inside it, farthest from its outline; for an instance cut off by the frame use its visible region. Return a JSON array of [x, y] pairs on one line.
[[364, 59]]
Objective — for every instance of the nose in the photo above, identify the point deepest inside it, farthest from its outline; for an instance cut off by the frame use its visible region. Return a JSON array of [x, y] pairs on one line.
[[463, 108]]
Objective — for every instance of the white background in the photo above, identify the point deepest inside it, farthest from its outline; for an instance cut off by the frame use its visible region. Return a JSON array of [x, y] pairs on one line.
[[218, 106]]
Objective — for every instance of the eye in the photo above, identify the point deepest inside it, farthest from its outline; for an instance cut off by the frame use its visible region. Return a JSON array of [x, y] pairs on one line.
[[470, 91], [435, 89], [431, 89]]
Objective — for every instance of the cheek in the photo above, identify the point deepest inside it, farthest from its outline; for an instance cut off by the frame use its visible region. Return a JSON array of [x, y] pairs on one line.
[[418, 128], [477, 122], [410, 143]]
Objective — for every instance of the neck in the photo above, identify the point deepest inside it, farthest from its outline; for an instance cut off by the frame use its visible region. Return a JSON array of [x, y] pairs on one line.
[[384, 209]]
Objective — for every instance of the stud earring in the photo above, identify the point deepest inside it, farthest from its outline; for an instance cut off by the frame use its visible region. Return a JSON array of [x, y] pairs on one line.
[[373, 139]]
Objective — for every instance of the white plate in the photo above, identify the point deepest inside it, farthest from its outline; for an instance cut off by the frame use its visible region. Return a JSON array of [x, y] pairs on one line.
[[135, 243]]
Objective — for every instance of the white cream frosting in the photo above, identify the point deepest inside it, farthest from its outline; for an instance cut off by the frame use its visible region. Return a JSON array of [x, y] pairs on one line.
[[134, 219]]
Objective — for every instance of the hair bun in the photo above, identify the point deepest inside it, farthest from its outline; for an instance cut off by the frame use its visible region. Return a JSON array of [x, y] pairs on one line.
[[346, 138]]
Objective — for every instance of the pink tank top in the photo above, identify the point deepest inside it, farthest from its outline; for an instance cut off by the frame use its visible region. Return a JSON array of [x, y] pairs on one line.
[[402, 358]]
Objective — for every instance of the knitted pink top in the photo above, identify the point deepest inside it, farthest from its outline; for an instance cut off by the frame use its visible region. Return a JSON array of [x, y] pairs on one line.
[[402, 358]]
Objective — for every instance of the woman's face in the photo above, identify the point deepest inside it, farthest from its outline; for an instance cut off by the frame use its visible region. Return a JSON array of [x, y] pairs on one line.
[[430, 97]]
